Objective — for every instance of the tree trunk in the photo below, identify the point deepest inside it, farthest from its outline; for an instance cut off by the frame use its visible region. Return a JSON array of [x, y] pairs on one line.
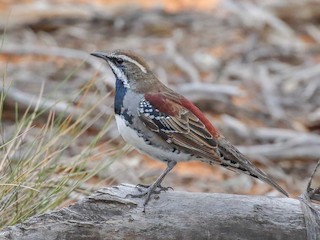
[[108, 214]]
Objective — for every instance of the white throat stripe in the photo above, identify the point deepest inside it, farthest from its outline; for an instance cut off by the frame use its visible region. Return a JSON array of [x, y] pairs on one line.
[[119, 74]]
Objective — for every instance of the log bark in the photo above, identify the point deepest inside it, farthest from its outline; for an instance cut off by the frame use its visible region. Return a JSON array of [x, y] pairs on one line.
[[109, 214]]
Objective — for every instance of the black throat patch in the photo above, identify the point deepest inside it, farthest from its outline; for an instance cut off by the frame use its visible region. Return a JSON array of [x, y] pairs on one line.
[[121, 91]]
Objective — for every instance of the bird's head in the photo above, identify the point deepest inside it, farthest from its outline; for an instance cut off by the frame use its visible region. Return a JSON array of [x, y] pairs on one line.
[[129, 68]]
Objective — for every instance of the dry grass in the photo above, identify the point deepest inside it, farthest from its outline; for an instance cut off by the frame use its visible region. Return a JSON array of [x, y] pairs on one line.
[[37, 170]]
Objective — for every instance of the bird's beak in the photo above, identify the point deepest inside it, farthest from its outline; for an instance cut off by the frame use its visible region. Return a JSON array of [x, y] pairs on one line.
[[100, 55]]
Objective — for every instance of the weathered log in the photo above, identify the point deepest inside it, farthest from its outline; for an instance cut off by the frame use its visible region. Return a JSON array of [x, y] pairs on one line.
[[109, 214]]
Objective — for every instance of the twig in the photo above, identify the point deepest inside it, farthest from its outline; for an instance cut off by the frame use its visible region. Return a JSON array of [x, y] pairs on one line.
[[255, 15], [311, 214], [283, 151], [267, 134], [314, 194], [268, 92], [181, 62], [204, 91], [62, 52], [27, 100]]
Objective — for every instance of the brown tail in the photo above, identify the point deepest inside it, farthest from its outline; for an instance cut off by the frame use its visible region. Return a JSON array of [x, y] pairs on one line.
[[234, 160]]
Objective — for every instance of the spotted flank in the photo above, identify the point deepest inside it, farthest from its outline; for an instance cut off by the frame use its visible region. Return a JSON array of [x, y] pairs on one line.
[[139, 140], [148, 110], [159, 118]]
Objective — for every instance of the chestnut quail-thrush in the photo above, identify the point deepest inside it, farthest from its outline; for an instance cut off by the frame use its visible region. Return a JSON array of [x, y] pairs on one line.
[[165, 125]]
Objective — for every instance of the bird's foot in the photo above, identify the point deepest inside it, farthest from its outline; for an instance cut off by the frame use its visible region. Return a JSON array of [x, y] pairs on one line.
[[158, 190], [146, 191]]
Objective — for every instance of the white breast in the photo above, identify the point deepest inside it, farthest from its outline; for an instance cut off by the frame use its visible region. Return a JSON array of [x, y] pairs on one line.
[[131, 137]]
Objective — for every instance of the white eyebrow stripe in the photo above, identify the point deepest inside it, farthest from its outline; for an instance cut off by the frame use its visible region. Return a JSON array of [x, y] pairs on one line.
[[126, 58]]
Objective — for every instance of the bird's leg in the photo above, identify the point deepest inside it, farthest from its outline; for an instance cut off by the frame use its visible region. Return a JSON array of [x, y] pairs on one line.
[[152, 188]]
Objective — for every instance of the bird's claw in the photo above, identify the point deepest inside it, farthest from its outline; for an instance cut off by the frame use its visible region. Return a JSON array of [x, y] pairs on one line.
[[143, 189], [164, 189], [147, 191], [158, 190], [139, 195]]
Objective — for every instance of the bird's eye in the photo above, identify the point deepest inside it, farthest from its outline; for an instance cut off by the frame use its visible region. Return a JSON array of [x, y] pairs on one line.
[[118, 61]]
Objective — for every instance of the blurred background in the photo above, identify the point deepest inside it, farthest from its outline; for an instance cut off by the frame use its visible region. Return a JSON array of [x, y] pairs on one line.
[[252, 66]]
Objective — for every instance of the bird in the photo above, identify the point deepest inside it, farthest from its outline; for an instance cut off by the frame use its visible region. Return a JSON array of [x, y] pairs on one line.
[[165, 125]]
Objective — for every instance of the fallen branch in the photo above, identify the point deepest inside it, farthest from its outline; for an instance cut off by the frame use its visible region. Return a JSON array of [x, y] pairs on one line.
[[174, 215], [60, 52], [278, 144], [290, 150]]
